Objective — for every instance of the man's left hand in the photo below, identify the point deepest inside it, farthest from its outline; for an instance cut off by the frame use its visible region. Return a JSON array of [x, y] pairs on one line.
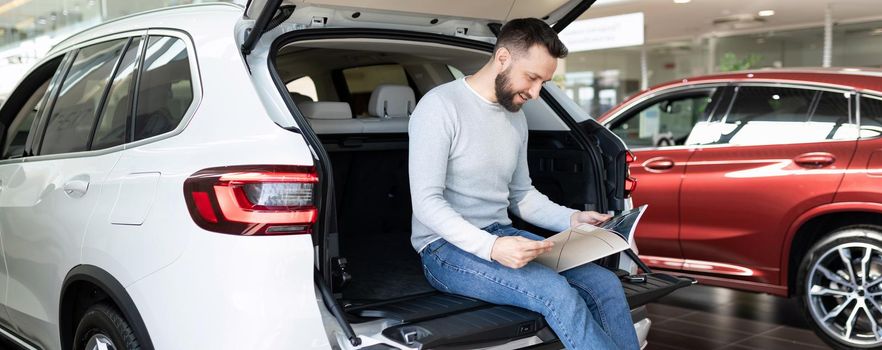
[[588, 217]]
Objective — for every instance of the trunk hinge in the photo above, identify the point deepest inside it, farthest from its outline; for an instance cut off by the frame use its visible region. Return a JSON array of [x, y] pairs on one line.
[[266, 21]]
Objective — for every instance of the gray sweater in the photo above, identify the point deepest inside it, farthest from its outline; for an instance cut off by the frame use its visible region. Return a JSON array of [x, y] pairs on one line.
[[468, 164]]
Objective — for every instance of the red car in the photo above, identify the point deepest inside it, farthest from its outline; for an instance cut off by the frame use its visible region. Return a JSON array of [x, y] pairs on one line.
[[768, 181]]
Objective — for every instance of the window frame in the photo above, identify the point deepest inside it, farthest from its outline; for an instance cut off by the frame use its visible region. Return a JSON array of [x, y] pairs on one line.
[[195, 78]]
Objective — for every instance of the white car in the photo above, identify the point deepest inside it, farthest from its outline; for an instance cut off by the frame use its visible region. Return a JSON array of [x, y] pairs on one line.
[[167, 181]]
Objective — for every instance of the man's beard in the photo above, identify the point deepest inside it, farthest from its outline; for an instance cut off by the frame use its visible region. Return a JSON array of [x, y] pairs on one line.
[[504, 93]]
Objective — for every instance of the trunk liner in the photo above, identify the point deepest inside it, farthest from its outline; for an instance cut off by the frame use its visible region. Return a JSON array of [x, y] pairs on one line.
[[416, 308], [468, 329], [436, 304], [656, 286]]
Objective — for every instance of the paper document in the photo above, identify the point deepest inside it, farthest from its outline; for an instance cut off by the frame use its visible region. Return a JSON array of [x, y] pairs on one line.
[[585, 243]]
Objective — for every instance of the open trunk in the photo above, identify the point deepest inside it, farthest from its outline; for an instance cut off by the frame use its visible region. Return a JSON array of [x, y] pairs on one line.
[[374, 275]]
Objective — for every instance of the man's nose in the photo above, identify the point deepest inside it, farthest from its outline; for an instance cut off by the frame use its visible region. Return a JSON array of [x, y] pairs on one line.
[[534, 90]]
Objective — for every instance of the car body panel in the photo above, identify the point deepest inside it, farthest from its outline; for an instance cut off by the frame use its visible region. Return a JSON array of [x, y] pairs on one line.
[[744, 241]]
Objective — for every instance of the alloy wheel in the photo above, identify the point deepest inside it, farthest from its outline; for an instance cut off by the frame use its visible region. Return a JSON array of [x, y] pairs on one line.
[[844, 293]]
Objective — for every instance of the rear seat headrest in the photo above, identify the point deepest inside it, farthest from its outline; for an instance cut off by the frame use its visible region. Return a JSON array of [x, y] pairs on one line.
[[392, 101], [325, 110]]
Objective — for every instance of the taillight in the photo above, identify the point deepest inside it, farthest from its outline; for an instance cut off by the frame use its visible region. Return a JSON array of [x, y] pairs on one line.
[[630, 157], [253, 200], [630, 182], [630, 185]]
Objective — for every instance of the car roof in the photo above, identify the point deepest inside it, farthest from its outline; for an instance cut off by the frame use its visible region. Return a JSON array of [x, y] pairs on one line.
[[865, 80], [156, 19]]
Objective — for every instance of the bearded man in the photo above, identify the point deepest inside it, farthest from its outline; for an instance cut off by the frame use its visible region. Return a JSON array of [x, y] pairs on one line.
[[468, 167]]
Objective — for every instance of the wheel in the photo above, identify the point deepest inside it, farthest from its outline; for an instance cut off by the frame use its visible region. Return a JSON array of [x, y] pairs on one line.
[[839, 287], [103, 327]]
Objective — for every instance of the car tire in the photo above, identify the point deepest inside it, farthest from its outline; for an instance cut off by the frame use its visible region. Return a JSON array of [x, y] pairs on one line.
[[102, 326], [834, 296]]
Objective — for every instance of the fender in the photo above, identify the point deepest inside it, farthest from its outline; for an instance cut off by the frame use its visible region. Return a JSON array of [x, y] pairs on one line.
[[867, 207], [115, 291]]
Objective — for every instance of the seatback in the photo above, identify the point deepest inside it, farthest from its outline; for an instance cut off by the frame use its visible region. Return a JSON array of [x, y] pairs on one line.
[[330, 117]]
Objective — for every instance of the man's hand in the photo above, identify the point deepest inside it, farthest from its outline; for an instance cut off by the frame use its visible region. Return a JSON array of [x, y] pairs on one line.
[[516, 251], [588, 217]]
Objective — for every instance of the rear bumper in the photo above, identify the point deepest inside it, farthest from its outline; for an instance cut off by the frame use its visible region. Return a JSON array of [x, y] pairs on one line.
[[234, 292]]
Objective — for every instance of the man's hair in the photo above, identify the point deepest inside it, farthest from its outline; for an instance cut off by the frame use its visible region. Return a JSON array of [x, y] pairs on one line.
[[519, 35]]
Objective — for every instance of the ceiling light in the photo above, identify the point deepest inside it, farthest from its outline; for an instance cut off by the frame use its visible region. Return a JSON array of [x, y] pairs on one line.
[[766, 13], [682, 1]]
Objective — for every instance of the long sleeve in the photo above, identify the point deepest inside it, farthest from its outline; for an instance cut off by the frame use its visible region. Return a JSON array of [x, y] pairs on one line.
[[531, 205], [432, 131]]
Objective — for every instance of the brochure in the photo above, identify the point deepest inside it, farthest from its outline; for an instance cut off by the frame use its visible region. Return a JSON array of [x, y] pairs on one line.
[[585, 243]]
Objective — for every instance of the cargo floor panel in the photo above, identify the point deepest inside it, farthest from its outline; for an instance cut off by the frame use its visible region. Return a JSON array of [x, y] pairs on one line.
[[418, 307], [656, 286], [467, 329]]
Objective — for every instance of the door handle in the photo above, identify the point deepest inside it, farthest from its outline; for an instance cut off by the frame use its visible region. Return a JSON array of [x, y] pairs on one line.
[[814, 160], [76, 188], [659, 164]]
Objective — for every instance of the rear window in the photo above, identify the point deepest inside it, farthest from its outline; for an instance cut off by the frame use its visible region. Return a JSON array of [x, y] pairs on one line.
[[165, 90], [72, 119], [361, 82], [871, 117], [366, 79]]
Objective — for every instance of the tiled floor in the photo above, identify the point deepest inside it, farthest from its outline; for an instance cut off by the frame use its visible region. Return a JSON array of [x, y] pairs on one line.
[[703, 317]]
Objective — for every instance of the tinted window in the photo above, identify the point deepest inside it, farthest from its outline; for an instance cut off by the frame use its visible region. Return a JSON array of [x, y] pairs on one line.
[[17, 133], [111, 129], [73, 117], [165, 90], [767, 115], [366, 79], [667, 122], [871, 117], [832, 119]]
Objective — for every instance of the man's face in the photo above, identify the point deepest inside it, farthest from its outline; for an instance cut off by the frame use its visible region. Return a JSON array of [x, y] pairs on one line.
[[522, 79]]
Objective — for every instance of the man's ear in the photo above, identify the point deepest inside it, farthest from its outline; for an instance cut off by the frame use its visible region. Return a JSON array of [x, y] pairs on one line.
[[503, 58]]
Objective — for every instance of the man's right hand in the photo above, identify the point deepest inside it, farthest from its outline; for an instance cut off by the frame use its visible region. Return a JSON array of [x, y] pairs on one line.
[[516, 251]]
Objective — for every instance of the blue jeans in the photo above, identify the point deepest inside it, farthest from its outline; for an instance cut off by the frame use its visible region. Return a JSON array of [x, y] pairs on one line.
[[585, 306]]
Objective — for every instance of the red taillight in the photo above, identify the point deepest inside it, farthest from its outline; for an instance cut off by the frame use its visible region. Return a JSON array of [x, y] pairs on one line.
[[630, 157], [630, 182], [253, 200], [630, 185]]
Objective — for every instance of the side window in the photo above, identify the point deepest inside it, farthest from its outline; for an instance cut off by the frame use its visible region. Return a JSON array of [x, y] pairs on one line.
[[165, 89], [767, 115], [114, 116], [832, 118], [17, 132], [72, 119], [871, 117], [668, 122], [361, 82]]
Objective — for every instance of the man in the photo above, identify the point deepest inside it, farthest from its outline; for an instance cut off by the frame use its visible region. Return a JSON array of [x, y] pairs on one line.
[[468, 165]]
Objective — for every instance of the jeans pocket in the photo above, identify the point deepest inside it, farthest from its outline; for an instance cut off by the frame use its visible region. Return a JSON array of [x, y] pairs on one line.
[[434, 281]]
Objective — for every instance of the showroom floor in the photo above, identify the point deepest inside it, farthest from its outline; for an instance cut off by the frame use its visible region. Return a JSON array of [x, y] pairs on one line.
[[703, 317]]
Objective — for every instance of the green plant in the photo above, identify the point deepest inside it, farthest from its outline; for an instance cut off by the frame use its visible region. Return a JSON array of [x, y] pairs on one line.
[[730, 62]]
